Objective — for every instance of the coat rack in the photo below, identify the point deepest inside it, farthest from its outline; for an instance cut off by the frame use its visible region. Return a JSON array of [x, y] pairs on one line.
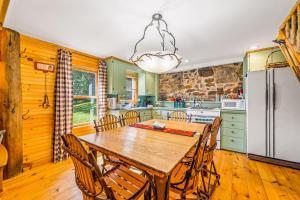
[[45, 68]]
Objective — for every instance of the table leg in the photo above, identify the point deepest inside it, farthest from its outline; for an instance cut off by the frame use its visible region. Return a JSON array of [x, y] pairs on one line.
[[162, 187], [1, 179], [94, 152]]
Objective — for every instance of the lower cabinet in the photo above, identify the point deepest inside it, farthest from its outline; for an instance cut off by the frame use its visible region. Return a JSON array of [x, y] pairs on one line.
[[233, 134], [161, 114], [144, 114]]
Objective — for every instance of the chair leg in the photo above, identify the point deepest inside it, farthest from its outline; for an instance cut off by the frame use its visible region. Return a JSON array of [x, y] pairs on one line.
[[103, 164], [216, 173], [200, 195], [203, 182]]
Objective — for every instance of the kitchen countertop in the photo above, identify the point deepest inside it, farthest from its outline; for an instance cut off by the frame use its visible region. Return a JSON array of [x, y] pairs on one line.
[[125, 109], [145, 108], [235, 111], [167, 108]]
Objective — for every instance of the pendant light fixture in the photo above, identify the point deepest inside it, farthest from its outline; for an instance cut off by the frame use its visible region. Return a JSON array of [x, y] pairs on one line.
[[157, 60]]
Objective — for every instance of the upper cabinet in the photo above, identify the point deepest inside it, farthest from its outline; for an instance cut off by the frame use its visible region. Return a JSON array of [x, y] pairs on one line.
[[260, 59], [117, 71], [147, 83], [116, 76]]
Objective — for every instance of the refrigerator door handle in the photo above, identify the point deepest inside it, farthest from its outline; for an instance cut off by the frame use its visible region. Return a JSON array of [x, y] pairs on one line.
[[266, 110], [274, 95]]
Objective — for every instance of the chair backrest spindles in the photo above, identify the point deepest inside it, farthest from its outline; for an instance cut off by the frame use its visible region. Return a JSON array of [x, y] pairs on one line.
[[107, 122], [178, 116], [131, 117], [191, 177], [213, 139]]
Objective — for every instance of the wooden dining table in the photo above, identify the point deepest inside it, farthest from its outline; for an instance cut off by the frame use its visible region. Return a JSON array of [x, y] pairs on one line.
[[153, 151]]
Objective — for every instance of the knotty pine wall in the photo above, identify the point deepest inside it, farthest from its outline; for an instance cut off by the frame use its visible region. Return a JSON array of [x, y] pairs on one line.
[[38, 129]]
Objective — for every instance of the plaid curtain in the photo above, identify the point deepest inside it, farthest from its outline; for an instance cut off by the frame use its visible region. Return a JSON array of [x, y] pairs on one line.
[[102, 90], [63, 100]]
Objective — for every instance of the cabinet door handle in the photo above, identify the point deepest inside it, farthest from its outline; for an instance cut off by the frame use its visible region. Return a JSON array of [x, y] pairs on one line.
[[232, 131], [232, 117], [232, 124], [232, 140]]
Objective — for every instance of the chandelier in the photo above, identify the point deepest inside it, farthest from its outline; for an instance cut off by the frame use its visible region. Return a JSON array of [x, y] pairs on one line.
[[159, 60]]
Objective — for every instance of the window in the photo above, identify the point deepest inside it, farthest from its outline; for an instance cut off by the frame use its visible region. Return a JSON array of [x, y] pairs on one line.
[[85, 101], [131, 89]]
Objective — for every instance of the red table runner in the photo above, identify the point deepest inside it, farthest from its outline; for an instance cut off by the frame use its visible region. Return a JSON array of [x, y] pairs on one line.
[[165, 130]]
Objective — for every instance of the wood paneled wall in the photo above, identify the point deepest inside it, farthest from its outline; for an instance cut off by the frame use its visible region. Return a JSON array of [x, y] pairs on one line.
[[38, 128]]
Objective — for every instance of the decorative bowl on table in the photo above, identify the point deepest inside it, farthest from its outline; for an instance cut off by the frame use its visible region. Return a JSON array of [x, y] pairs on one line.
[[158, 125]]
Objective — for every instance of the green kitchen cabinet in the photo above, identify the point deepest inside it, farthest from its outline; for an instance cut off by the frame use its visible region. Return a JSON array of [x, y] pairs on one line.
[[145, 114], [146, 83], [156, 114], [116, 76], [257, 60], [233, 130]]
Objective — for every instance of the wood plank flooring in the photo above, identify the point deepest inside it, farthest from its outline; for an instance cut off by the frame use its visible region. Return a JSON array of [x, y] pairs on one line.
[[241, 178]]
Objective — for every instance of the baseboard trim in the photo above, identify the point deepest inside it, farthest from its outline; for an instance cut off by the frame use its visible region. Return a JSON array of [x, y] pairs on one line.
[[275, 161]]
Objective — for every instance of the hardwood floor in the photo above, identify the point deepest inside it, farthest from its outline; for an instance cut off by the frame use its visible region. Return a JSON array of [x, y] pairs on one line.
[[240, 179]]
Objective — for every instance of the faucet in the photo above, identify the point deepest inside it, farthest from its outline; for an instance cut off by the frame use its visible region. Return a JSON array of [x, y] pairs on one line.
[[201, 103]]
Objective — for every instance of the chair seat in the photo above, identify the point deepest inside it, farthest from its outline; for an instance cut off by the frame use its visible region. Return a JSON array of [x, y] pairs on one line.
[[178, 174], [206, 160], [124, 183]]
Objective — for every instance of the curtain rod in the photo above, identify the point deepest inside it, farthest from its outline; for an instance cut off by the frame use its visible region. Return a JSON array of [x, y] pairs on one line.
[[82, 54]]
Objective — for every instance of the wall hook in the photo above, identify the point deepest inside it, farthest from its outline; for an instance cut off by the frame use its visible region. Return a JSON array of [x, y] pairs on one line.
[[21, 53], [24, 115], [13, 110]]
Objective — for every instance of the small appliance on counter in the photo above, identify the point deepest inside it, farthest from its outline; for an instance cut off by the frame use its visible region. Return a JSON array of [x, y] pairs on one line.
[[233, 104], [112, 103]]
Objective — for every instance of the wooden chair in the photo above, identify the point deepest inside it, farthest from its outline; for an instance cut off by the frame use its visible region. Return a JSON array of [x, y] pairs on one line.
[[107, 123], [209, 168], [3, 159], [209, 164], [131, 117], [117, 183], [179, 116], [185, 177]]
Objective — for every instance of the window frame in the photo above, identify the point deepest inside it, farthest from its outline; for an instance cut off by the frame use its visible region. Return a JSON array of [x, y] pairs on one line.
[[94, 71], [134, 77]]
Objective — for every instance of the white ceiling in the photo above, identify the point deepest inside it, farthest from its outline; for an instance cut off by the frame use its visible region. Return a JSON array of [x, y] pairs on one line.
[[208, 32]]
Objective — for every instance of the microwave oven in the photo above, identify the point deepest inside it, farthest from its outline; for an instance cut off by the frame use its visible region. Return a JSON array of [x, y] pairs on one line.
[[233, 104]]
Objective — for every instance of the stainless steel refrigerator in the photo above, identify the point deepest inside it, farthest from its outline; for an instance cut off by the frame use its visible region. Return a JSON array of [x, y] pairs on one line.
[[273, 114]]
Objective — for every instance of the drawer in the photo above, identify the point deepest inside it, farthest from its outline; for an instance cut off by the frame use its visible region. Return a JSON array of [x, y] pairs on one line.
[[233, 117], [156, 113], [232, 124], [232, 143], [164, 113], [233, 132], [145, 112], [145, 118]]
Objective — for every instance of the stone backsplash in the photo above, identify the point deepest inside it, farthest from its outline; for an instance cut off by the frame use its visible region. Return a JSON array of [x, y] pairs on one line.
[[203, 83]]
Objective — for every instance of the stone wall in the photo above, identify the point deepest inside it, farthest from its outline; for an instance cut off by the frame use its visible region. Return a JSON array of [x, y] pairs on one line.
[[202, 83]]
